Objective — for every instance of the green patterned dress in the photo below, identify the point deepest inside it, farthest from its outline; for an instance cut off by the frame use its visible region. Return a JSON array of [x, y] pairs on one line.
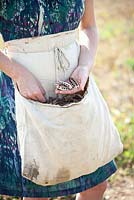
[[20, 19]]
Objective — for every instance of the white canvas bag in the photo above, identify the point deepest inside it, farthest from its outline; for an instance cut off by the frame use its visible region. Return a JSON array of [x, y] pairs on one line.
[[60, 143]]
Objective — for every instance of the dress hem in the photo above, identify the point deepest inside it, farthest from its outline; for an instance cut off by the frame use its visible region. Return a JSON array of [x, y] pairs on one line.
[[52, 194]]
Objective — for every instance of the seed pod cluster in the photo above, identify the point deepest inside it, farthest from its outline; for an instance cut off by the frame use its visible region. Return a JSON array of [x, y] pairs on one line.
[[65, 99], [64, 85], [68, 98]]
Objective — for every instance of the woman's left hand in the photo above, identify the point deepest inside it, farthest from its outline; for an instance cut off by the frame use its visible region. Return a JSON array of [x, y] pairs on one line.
[[80, 74]]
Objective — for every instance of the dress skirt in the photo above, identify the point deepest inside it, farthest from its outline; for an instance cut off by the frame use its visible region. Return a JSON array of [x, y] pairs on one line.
[[11, 181]]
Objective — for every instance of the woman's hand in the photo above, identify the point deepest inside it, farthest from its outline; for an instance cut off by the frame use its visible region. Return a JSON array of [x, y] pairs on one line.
[[80, 75], [24, 80], [29, 86]]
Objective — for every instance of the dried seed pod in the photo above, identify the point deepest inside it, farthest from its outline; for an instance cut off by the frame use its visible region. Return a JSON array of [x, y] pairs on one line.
[[62, 85], [73, 82], [65, 84]]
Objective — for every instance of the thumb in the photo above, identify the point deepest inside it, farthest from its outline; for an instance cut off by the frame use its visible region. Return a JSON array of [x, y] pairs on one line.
[[82, 84]]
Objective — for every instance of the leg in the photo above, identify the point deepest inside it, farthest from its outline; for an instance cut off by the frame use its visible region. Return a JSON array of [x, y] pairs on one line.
[[35, 198], [95, 193]]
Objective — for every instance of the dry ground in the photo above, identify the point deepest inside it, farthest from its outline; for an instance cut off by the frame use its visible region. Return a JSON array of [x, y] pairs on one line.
[[122, 188], [115, 79]]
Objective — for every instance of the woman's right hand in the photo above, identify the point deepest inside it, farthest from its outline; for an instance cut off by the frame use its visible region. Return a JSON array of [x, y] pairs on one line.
[[24, 80], [28, 86]]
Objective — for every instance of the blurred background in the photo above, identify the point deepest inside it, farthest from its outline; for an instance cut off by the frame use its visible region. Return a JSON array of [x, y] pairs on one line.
[[114, 73]]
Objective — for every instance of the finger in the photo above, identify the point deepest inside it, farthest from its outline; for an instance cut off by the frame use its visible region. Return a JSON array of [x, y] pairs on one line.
[[43, 91], [41, 98], [83, 83], [36, 96]]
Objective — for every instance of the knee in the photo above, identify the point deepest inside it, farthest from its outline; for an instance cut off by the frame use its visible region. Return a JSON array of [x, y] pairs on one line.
[[99, 189], [27, 198]]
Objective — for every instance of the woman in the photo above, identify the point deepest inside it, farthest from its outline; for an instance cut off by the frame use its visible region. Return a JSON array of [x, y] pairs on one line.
[[20, 19]]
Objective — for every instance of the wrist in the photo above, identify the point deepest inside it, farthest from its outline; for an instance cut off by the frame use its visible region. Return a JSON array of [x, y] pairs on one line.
[[89, 64], [10, 67], [16, 71]]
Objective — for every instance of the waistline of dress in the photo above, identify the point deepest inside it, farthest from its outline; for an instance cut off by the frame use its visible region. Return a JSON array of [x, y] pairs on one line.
[[42, 43]]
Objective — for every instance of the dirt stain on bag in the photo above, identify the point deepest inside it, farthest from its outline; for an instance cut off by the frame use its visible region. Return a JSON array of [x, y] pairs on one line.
[[31, 170], [63, 174]]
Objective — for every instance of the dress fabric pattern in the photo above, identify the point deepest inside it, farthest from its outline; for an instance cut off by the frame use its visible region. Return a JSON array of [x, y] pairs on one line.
[[29, 18]]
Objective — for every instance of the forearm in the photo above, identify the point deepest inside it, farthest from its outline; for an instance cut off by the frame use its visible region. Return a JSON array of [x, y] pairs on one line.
[[25, 82], [8, 66], [88, 39]]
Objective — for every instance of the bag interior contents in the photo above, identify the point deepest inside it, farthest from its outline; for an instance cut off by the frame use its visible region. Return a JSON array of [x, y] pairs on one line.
[[68, 98]]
